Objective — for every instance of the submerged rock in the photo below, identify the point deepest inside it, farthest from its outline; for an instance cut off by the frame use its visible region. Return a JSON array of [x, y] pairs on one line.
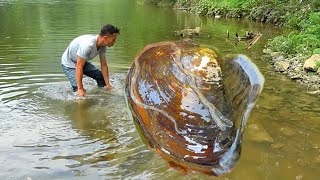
[[256, 132], [191, 105], [188, 32]]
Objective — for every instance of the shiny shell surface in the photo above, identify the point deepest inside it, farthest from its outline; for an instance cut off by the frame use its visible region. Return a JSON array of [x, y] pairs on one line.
[[191, 105]]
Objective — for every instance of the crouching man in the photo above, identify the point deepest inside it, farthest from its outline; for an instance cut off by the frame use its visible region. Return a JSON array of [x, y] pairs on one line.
[[75, 59]]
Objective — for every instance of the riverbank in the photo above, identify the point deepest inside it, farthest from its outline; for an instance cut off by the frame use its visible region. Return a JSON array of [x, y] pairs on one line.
[[300, 68], [295, 54]]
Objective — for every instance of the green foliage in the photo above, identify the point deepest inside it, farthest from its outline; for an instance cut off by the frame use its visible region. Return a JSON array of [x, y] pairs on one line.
[[182, 3], [228, 8], [311, 25], [318, 64], [307, 41], [293, 20], [316, 51], [316, 4], [296, 43], [203, 7], [153, 2]]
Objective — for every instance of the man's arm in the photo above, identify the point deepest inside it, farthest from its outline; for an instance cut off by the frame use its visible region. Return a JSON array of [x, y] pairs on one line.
[[105, 71], [79, 75]]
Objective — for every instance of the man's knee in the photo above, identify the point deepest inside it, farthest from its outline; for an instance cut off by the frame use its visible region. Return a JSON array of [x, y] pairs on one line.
[[100, 80], [71, 74], [96, 75]]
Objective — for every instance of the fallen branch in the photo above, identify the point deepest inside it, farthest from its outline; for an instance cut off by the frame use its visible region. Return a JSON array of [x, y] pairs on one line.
[[227, 40], [255, 39]]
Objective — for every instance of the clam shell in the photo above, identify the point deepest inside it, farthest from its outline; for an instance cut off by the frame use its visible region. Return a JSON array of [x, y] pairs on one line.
[[190, 104]]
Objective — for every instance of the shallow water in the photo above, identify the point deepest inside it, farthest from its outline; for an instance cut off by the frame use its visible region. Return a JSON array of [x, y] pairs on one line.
[[46, 132]]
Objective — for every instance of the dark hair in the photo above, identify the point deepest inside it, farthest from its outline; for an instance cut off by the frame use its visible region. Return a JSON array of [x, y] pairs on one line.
[[109, 29]]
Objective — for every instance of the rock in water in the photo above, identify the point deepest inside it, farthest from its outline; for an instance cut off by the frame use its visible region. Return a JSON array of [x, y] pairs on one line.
[[191, 105]]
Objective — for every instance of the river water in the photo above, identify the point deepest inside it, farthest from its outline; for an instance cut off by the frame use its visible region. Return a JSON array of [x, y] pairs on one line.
[[47, 133]]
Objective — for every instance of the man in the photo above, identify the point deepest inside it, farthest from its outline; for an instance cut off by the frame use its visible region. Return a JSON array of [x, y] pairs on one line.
[[75, 60]]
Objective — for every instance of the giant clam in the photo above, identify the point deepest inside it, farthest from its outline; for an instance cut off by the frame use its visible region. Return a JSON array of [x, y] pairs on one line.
[[190, 104]]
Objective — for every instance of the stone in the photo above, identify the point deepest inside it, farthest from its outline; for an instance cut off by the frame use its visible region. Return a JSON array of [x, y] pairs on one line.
[[298, 69], [281, 66], [295, 76], [267, 51], [311, 63], [280, 58], [188, 32], [275, 55]]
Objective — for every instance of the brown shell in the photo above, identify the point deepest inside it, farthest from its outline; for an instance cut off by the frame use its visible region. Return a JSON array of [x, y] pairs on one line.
[[190, 104]]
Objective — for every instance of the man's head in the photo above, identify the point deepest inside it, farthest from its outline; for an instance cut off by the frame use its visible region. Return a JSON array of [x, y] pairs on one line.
[[109, 34]]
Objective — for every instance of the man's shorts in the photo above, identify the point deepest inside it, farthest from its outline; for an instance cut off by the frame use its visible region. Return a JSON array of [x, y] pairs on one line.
[[88, 70]]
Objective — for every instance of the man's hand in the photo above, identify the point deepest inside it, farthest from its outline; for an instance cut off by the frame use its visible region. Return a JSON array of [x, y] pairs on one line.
[[108, 87], [81, 92]]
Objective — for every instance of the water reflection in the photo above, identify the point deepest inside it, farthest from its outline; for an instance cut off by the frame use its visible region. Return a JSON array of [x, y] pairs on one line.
[[108, 141], [86, 116]]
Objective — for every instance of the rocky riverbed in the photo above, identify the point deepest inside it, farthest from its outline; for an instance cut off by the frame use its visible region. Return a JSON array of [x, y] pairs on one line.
[[304, 70]]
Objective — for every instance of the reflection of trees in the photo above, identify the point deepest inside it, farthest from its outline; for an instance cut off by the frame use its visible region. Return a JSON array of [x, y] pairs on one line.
[[40, 31], [89, 117]]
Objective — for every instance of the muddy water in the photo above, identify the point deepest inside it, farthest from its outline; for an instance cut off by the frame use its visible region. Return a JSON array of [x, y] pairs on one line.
[[48, 133]]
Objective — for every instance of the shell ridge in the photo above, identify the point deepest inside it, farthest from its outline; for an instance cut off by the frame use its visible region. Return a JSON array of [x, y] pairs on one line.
[[135, 99], [221, 121]]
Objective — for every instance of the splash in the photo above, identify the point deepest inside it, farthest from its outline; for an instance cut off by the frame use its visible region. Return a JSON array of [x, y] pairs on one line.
[[63, 91]]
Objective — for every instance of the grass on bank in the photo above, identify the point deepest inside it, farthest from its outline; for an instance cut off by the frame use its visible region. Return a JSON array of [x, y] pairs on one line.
[[306, 41]]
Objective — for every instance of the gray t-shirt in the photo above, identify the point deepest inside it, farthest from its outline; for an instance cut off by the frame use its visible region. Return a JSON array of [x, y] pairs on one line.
[[84, 46]]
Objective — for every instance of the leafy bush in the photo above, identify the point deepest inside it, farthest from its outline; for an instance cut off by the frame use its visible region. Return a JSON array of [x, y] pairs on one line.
[[316, 51], [307, 41], [318, 64], [202, 7]]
